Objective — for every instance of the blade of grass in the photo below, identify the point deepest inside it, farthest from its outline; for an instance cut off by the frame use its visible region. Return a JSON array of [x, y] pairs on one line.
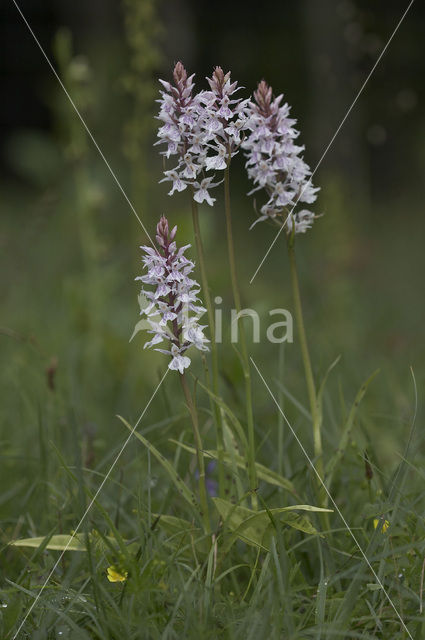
[[263, 473], [183, 490], [336, 458]]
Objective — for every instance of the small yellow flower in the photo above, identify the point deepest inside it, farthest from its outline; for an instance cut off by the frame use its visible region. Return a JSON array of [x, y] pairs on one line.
[[116, 575], [384, 527]]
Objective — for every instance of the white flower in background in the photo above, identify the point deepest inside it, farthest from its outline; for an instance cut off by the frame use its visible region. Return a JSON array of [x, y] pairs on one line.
[[274, 163], [173, 308]]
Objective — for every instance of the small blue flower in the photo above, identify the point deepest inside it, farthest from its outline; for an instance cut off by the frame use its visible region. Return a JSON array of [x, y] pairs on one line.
[[210, 483]]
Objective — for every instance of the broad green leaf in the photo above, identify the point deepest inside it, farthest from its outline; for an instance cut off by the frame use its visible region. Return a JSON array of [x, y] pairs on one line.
[[181, 486], [263, 472], [255, 527], [143, 301], [143, 323], [140, 326], [59, 542]]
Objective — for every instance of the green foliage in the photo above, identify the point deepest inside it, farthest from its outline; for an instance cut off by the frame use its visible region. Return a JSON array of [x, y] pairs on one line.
[[54, 543], [257, 527], [69, 308], [181, 487], [263, 473]]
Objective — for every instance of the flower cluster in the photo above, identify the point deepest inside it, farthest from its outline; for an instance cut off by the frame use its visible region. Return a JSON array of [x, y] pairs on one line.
[[224, 119], [274, 162], [173, 310], [202, 130], [205, 130], [180, 113]]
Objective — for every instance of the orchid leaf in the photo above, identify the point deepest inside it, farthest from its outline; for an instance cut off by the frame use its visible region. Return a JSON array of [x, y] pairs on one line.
[[256, 527], [60, 542], [140, 326]]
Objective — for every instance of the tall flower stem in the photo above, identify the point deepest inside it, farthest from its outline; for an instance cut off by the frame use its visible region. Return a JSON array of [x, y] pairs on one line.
[[244, 351], [203, 500], [311, 388], [214, 355]]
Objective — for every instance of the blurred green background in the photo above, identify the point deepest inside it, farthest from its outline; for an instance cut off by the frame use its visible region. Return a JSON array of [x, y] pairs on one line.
[[70, 242]]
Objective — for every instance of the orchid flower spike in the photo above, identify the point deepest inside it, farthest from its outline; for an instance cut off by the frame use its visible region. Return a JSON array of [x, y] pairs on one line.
[[173, 309], [181, 113], [202, 131], [274, 162], [224, 119]]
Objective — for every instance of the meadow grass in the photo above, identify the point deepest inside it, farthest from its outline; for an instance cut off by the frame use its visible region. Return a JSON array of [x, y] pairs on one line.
[[74, 387]]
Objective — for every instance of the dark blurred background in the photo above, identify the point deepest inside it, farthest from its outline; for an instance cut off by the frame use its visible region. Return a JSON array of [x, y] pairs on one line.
[[69, 241], [317, 53]]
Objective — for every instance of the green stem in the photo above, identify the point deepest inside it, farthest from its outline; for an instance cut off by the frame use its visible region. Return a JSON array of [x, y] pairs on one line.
[[203, 500], [214, 357], [317, 437], [284, 467], [252, 475]]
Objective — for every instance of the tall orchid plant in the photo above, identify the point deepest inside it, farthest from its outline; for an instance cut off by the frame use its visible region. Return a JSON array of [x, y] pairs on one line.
[[275, 165], [173, 313], [201, 133]]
